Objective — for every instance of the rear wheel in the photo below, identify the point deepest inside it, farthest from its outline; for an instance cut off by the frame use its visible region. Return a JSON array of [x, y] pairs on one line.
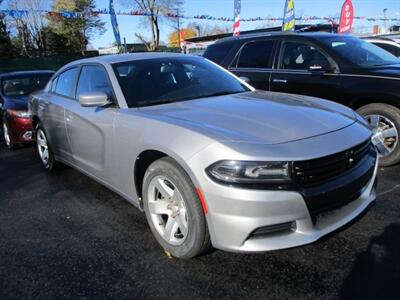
[[173, 210], [44, 150], [7, 138], [384, 121]]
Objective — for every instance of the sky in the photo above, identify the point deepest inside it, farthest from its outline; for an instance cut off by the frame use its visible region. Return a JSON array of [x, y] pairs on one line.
[[128, 25]]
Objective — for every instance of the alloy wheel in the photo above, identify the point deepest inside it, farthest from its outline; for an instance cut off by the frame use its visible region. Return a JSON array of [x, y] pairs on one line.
[[43, 147], [6, 135], [385, 134], [167, 209]]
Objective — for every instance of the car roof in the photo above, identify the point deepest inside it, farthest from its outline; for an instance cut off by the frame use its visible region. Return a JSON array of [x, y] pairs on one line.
[[30, 72], [313, 35], [118, 58]]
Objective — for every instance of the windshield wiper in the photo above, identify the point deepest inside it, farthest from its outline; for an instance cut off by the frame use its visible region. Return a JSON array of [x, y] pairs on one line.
[[222, 93]]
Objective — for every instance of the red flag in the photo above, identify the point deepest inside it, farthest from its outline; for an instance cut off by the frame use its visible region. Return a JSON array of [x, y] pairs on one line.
[[346, 17]]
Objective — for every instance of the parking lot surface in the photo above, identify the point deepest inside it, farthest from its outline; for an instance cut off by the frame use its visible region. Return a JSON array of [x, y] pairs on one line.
[[64, 236]]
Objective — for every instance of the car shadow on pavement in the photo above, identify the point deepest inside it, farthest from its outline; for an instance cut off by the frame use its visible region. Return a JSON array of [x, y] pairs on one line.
[[376, 272]]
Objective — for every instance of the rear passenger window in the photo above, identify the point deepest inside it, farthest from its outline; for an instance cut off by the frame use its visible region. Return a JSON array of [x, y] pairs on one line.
[[217, 52], [65, 82], [256, 55], [93, 79]]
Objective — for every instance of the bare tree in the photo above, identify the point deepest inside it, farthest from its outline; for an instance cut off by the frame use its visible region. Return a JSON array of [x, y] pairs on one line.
[[156, 10], [29, 26], [204, 29]]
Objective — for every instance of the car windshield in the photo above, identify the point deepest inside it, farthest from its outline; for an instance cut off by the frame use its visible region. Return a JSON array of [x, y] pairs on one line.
[[165, 80], [23, 85], [359, 52]]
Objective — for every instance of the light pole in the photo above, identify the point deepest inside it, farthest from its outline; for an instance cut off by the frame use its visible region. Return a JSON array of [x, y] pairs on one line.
[[385, 17]]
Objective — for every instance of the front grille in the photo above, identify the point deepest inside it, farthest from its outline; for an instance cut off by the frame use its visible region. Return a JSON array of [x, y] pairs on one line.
[[318, 170]]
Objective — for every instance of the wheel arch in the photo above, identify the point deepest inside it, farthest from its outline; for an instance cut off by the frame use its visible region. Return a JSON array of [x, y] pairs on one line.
[[35, 122], [146, 158], [358, 103]]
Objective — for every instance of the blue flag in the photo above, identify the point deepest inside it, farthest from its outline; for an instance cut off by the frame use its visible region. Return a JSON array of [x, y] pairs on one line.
[[115, 24], [288, 18]]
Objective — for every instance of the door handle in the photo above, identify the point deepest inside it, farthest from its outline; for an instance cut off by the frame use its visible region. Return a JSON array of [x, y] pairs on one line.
[[280, 80]]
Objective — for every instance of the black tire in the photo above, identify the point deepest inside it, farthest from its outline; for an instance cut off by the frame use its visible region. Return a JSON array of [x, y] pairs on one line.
[[197, 240], [392, 113], [51, 164], [8, 141]]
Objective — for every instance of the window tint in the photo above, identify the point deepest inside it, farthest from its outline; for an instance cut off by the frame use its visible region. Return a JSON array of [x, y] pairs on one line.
[[65, 82], [218, 52], [390, 48], [256, 55], [300, 56], [93, 79], [359, 52], [165, 80], [24, 85]]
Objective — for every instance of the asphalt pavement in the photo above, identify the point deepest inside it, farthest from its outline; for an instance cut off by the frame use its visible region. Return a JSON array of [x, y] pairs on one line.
[[64, 236]]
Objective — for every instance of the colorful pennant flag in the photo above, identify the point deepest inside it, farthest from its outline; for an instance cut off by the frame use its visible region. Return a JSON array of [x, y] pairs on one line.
[[289, 17], [236, 14]]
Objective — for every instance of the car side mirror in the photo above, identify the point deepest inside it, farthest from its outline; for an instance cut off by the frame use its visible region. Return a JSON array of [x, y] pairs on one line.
[[94, 99]]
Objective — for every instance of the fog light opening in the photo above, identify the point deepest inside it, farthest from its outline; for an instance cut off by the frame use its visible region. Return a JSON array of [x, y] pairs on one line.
[[265, 231], [27, 135]]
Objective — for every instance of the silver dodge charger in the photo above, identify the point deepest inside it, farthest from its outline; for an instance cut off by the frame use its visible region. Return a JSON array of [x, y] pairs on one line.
[[210, 160]]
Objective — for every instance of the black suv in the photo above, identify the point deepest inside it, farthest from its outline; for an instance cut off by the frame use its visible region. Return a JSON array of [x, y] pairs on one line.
[[341, 68]]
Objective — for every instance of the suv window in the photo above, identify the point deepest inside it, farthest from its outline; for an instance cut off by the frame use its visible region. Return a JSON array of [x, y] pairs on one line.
[[256, 55], [65, 82], [93, 79], [301, 56], [388, 47], [217, 52]]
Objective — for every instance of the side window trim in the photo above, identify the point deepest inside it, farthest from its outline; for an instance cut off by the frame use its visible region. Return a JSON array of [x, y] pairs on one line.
[[113, 97], [235, 61], [281, 50]]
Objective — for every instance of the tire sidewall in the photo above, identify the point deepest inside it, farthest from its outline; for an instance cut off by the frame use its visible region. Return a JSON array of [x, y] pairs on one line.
[[51, 162], [196, 219], [393, 114]]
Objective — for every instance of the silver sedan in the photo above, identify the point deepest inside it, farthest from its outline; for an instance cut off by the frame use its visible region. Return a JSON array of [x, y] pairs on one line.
[[210, 160]]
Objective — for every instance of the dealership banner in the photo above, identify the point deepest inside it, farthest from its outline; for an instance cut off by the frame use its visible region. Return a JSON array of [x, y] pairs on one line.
[[346, 17], [236, 16], [114, 24], [289, 17]]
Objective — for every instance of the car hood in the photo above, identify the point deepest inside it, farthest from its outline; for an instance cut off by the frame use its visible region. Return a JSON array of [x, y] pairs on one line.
[[386, 71], [258, 117], [16, 103]]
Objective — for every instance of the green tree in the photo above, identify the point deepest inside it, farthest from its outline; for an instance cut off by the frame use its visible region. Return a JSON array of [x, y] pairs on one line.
[[73, 34]]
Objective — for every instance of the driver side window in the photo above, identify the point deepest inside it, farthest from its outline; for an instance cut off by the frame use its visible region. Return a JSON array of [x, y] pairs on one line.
[[300, 56]]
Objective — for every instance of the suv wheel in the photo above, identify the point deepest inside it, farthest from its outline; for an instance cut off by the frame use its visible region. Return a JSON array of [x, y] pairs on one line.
[[173, 210], [384, 120]]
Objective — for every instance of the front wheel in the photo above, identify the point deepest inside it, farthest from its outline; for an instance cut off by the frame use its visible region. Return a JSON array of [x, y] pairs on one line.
[[7, 137], [173, 210], [384, 121], [44, 150]]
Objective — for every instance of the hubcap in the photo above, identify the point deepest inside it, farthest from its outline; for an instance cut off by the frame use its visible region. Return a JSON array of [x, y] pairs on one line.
[[385, 134], [6, 134], [168, 210], [43, 147]]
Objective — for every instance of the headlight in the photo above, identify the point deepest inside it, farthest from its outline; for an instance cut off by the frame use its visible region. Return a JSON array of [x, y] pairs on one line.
[[249, 172], [19, 113]]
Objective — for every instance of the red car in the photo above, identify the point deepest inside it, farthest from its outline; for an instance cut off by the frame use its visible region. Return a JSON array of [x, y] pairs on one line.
[[14, 92]]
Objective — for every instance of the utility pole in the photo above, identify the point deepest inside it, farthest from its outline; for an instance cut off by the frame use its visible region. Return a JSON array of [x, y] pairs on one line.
[[178, 27]]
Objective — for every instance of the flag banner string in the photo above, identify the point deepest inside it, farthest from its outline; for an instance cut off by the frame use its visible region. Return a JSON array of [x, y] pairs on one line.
[[73, 14]]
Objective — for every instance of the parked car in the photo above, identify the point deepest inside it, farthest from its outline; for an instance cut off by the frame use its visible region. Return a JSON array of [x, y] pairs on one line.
[[14, 91], [385, 43], [341, 68], [208, 158]]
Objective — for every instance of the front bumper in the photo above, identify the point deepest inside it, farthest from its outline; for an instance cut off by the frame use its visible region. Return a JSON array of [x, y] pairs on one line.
[[21, 130], [234, 214]]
